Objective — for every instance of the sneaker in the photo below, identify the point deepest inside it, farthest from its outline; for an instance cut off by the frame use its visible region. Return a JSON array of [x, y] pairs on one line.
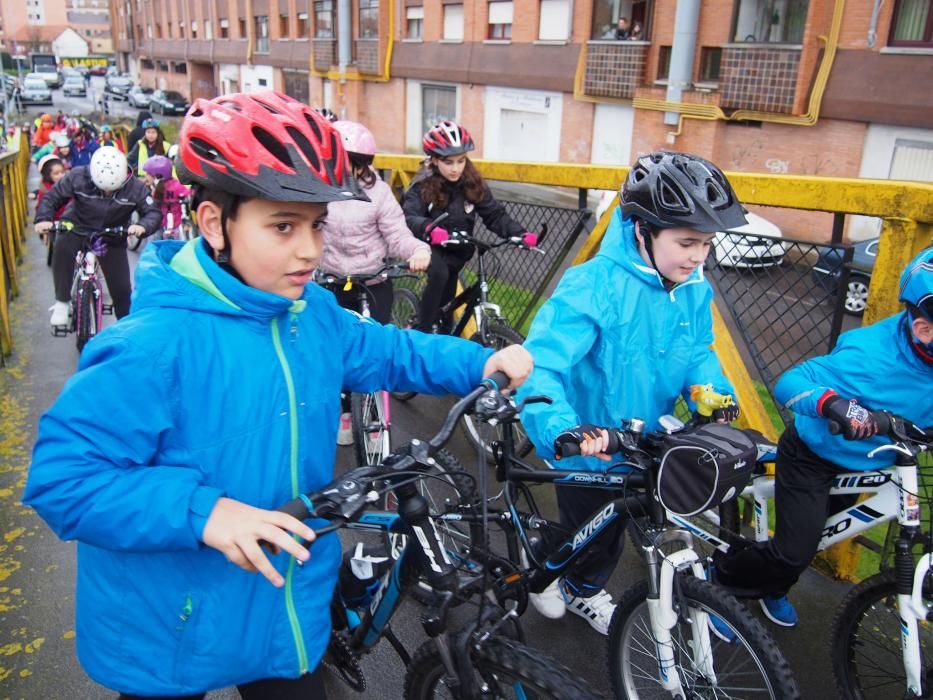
[[549, 602], [718, 627], [597, 609], [60, 312], [345, 431], [779, 610]]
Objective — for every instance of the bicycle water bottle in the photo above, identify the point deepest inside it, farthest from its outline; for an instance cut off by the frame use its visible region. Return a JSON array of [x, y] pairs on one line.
[[360, 572]]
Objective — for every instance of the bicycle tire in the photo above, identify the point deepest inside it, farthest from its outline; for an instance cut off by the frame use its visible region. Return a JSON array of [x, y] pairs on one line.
[[405, 306], [633, 655], [459, 538], [868, 618], [371, 444], [498, 336], [87, 320], [509, 670], [50, 244]]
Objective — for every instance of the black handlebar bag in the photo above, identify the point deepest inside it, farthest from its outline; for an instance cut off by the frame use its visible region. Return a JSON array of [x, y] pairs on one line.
[[704, 467]]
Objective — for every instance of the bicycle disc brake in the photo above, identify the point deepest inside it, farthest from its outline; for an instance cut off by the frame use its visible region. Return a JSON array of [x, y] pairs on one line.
[[344, 663]]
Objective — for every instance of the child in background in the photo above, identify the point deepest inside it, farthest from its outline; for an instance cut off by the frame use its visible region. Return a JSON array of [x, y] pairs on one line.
[[167, 193], [107, 138]]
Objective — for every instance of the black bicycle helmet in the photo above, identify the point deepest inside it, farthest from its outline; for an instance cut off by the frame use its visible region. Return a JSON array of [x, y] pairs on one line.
[[672, 190]]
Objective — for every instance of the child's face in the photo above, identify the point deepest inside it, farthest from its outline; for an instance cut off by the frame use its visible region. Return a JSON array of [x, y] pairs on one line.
[[150, 181], [56, 173], [450, 167], [677, 252], [151, 134], [275, 245]]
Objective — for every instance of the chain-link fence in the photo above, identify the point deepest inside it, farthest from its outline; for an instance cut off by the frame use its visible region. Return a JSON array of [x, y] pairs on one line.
[[518, 278], [787, 298]]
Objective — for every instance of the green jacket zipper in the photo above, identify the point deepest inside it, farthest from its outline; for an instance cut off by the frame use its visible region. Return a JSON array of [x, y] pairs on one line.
[[293, 462]]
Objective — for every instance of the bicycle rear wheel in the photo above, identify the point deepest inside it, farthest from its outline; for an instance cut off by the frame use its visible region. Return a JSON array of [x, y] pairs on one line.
[[498, 336], [749, 667], [502, 668], [868, 663], [371, 430], [404, 315]]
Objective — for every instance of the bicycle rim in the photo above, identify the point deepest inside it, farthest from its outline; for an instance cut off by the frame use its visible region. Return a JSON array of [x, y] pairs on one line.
[[371, 431], [750, 668]]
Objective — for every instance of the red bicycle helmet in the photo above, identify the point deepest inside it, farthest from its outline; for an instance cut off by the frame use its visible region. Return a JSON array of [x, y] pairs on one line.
[[264, 145], [447, 138]]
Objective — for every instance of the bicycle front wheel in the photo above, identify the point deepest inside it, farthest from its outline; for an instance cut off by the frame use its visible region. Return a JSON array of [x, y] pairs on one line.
[[87, 313], [404, 315], [371, 431], [498, 336], [868, 662], [502, 669], [749, 667]]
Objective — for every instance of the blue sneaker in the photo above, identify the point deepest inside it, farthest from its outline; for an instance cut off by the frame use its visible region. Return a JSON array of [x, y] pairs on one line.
[[779, 610], [721, 629]]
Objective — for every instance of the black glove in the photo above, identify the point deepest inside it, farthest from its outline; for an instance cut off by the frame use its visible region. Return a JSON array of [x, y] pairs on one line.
[[726, 414], [854, 420], [567, 444]]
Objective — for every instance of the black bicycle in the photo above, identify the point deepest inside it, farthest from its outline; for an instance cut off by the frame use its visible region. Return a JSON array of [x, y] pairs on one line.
[[486, 658]]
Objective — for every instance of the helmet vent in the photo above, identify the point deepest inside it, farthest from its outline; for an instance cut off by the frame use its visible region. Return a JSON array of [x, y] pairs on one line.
[[267, 107], [314, 127], [305, 146], [273, 145], [204, 149], [197, 113], [230, 104]]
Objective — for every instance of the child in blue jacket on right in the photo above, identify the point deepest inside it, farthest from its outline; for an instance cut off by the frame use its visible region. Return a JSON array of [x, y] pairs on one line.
[[885, 366]]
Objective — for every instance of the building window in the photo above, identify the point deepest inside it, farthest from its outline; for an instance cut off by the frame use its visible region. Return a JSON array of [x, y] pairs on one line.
[[415, 22], [710, 60], [301, 28], [181, 30], [664, 62], [771, 21], [261, 28], [149, 31], [158, 31], [500, 20], [194, 30], [243, 32], [369, 19], [324, 19], [283, 26], [296, 85], [147, 64], [912, 24], [162, 66], [453, 22], [181, 67], [554, 20], [208, 30], [224, 29], [607, 13], [438, 102]]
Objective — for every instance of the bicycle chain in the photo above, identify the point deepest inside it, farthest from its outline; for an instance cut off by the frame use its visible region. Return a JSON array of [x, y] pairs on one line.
[[344, 663]]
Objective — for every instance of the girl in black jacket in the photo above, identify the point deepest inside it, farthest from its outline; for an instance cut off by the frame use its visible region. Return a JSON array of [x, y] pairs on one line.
[[450, 183]]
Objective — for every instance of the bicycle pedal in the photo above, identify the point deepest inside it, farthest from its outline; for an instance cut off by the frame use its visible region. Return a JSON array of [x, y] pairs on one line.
[[107, 309], [60, 331]]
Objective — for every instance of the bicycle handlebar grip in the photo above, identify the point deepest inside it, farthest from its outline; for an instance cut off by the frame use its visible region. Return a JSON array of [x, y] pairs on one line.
[[500, 379], [435, 222], [297, 508], [881, 418], [572, 449]]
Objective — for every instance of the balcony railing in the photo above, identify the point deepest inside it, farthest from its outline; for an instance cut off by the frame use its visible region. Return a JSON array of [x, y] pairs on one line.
[[759, 77], [614, 68], [366, 52], [325, 53]]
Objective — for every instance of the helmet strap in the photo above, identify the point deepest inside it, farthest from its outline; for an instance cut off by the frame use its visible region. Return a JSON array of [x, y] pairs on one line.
[[646, 235]]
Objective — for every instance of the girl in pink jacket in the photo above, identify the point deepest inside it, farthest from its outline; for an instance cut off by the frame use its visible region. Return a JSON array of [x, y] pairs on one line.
[[358, 235]]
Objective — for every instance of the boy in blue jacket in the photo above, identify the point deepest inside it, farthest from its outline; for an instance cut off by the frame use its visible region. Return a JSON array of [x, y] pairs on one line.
[[622, 337], [170, 482], [885, 366]]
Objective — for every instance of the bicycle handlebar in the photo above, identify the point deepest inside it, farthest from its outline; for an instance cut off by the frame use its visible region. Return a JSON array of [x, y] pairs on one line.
[[896, 427], [388, 269]]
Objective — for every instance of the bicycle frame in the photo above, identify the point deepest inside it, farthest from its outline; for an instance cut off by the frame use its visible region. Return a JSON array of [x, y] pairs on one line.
[[474, 299]]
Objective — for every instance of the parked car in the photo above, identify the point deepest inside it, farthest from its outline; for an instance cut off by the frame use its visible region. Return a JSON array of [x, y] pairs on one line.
[[116, 86], [35, 91], [139, 96], [74, 85], [828, 270], [98, 70], [167, 102], [754, 245]]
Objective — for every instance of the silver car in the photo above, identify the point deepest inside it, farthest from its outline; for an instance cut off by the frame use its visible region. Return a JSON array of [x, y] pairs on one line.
[[74, 85], [35, 92]]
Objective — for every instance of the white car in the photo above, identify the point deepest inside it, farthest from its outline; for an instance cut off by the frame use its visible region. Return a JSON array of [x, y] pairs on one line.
[[756, 244], [35, 92]]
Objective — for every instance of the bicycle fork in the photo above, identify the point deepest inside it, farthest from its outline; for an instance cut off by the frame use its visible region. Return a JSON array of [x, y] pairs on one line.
[[910, 605], [663, 616]]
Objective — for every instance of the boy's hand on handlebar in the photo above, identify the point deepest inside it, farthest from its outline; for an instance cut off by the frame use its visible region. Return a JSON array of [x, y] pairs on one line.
[[530, 239], [43, 227], [439, 235], [420, 260], [514, 361], [235, 529], [854, 420], [593, 441], [136, 230]]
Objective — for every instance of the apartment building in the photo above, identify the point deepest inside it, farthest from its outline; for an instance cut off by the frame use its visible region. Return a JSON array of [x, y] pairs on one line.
[[821, 87], [34, 24]]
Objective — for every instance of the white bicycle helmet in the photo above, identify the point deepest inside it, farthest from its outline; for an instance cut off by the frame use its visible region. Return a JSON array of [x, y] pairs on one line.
[[109, 169]]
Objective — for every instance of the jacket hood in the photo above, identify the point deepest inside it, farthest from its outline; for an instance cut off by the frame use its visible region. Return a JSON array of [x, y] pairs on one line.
[[182, 275], [619, 246]]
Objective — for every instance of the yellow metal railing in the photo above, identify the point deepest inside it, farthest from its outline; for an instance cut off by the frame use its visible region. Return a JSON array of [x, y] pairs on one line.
[[14, 166]]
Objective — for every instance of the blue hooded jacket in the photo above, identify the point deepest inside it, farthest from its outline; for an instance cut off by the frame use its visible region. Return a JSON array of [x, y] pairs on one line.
[[612, 344], [210, 388], [877, 367]]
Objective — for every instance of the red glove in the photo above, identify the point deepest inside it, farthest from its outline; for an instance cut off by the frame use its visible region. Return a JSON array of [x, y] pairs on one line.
[[530, 239], [439, 235]]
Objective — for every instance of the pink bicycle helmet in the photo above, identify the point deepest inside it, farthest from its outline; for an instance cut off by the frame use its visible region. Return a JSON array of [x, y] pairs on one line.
[[159, 167], [356, 138]]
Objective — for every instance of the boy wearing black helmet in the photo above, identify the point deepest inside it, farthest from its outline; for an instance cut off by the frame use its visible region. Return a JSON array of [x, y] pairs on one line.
[[623, 336]]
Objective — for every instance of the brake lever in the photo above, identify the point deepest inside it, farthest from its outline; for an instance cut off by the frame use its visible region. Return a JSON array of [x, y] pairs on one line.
[[539, 398]]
